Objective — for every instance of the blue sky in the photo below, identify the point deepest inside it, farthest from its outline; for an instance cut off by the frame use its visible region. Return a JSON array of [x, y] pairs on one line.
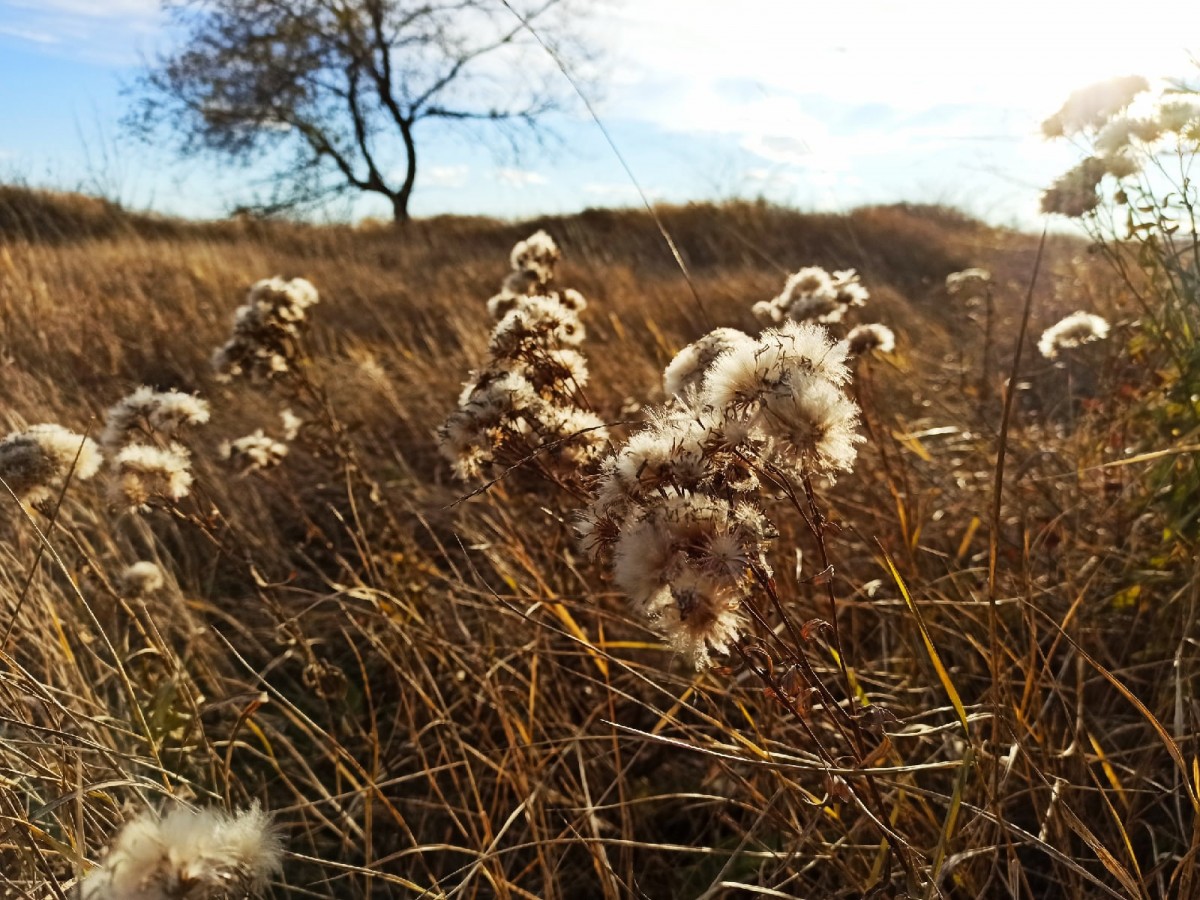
[[822, 105]]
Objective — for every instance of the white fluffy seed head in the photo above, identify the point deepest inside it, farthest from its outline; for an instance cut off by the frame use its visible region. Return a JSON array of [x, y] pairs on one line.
[[253, 452], [864, 339], [686, 370], [147, 412], [740, 376], [537, 254], [35, 462], [812, 425], [142, 579], [1092, 106], [144, 474], [266, 330], [1075, 330], [969, 284], [188, 855]]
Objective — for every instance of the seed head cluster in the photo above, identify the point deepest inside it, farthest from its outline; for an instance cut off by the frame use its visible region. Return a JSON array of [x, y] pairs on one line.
[[267, 330], [1075, 330], [873, 338], [188, 855], [525, 401], [814, 295], [142, 579], [1122, 143], [34, 463], [142, 438], [678, 513], [969, 284], [254, 452]]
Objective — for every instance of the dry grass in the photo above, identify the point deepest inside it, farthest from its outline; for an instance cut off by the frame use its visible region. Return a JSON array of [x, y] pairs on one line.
[[443, 699]]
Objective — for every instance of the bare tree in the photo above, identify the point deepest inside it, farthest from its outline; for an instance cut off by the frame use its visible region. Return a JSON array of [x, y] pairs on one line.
[[329, 94]]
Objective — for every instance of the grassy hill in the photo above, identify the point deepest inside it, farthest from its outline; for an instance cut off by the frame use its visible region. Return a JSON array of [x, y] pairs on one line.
[[436, 693]]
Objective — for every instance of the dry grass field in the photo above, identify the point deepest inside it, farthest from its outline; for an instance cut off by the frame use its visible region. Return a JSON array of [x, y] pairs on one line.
[[435, 693]]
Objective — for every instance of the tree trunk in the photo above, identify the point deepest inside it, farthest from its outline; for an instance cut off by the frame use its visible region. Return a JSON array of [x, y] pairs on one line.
[[400, 200]]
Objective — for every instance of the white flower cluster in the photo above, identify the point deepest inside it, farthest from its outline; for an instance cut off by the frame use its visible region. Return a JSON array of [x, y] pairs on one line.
[[524, 401], [35, 462], [1075, 330], [873, 338], [1091, 107], [188, 855], [533, 263], [813, 295], [1121, 143], [266, 330], [677, 510], [142, 579], [969, 284], [148, 462], [253, 452]]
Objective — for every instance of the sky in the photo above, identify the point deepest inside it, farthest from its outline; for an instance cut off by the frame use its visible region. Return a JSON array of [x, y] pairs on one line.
[[821, 105]]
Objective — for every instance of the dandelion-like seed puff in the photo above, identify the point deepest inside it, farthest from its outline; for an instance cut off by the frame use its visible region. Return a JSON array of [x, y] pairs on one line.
[[253, 452], [142, 579], [677, 511], [35, 462], [267, 329], [524, 402], [188, 855], [814, 295], [969, 284], [873, 338], [1075, 330], [147, 412]]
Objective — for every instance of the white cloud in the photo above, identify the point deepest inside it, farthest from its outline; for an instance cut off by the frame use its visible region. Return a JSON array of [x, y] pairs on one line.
[[95, 9], [445, 176], [520, 177], [31, 35]]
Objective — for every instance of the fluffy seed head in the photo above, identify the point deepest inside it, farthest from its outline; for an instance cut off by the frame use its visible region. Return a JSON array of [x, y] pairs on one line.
[[253, 452], [147, 411], [188, 855], [144, 474], [142, 579], [969, 284], [1094, 105], [538, 255], [864, 339], [1074, 193], [689, 365], [35, 462], [1075, 330]]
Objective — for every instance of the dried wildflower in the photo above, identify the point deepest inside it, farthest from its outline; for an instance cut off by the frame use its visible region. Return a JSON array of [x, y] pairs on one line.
[[188, 855], [969, 284], [864, 339], [1093, 106], [147, 411], [741, 375], [689, 365], [267, 329], [812, 294], [524, 402], [538, 255], [143, 475], [292, 424], [1177, 117], [1075, 330], [675, 511], [253, 452], [35, 462], [1074, 193], [142, 579]]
